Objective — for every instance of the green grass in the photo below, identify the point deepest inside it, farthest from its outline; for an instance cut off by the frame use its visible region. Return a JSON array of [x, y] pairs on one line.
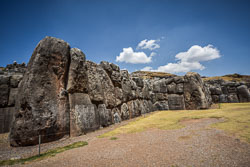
[[47, 154], [236, 116], [113, 138]]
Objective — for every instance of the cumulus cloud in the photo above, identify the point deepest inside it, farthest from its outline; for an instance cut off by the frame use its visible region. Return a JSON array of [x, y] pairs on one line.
[[148, 44], [198, 54], [190, 60], [147, 68], [129, 56]]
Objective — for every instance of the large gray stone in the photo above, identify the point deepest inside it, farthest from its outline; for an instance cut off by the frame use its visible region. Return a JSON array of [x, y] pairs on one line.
[[223, 98], [244, 94], [124, 111], [100, 87], [171, 88], [14, 80], [42, 103], [84, 116], [116, 115], [196, 94], [12, 96], [215, 90], [4, 95], [160, 105], [233, 98], [105, 115], [176, 102], [6, 118], [134, 109], [77, 78]]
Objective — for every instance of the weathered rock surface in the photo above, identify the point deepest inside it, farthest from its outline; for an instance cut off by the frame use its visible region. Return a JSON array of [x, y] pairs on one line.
[[61, 93], [196, 95], [243, 92], [176, 102], [77, 77], [42, 105], [228, 91]]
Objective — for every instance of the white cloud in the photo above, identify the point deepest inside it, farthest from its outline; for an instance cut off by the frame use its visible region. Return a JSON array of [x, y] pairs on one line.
[[129, 56], [198, 54], [190, 60], [152, 54], [147, 69], [180, 67], [148, 44]]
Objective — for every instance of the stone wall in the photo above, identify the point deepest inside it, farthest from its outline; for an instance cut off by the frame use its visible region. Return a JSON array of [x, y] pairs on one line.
[[229, 91], [62, 93], [10, 76]]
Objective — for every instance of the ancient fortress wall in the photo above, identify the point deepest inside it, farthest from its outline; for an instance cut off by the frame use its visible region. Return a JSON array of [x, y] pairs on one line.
[[61, 93]]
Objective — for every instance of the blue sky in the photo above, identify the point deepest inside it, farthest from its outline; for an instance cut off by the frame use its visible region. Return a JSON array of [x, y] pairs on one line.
[[213, 36]]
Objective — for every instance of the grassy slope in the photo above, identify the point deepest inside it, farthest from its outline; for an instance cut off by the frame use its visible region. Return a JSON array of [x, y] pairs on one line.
[[236, 115]]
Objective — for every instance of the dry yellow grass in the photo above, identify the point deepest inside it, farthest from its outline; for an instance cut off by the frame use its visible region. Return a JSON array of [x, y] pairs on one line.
[[148, 74], [236, 116], [230, 77]]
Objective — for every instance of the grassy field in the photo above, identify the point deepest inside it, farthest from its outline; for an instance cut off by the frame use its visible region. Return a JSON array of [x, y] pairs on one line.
[[236, 116], [47, 154]]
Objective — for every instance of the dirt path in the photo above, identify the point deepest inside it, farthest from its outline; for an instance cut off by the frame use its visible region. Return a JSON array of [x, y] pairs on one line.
[[194, 145]]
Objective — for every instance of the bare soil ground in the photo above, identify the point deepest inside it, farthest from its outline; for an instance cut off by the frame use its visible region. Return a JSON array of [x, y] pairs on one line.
[[195, 145]]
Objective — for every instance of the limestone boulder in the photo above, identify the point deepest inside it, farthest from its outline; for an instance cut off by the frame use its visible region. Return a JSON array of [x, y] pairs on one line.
[[4, 90], [215, 98], [223, 98], [84, 116], [196, 94], [178, 79], [42, 103], [113, 71], [105, 115], [159, 86], [233, 98], [160, 105], [134, 108], [215, 90], [179, 88], [100, 87], [176, 102], [244, 94], [171, 88], [116, 116], [129, 87], [124, 111], [12, 97], [77, 77], [14, 80]]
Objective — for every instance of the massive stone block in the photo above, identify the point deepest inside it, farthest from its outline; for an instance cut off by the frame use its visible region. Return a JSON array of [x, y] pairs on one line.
[[12, 96], [100, 87], [14, 80], [77, 78], [6, 118], [4, 90], [161, 105], [196, 95], [176, 102], [124, 111], [244, 94], [233, 98], [105, 115], [42, 103], [78, 104]]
